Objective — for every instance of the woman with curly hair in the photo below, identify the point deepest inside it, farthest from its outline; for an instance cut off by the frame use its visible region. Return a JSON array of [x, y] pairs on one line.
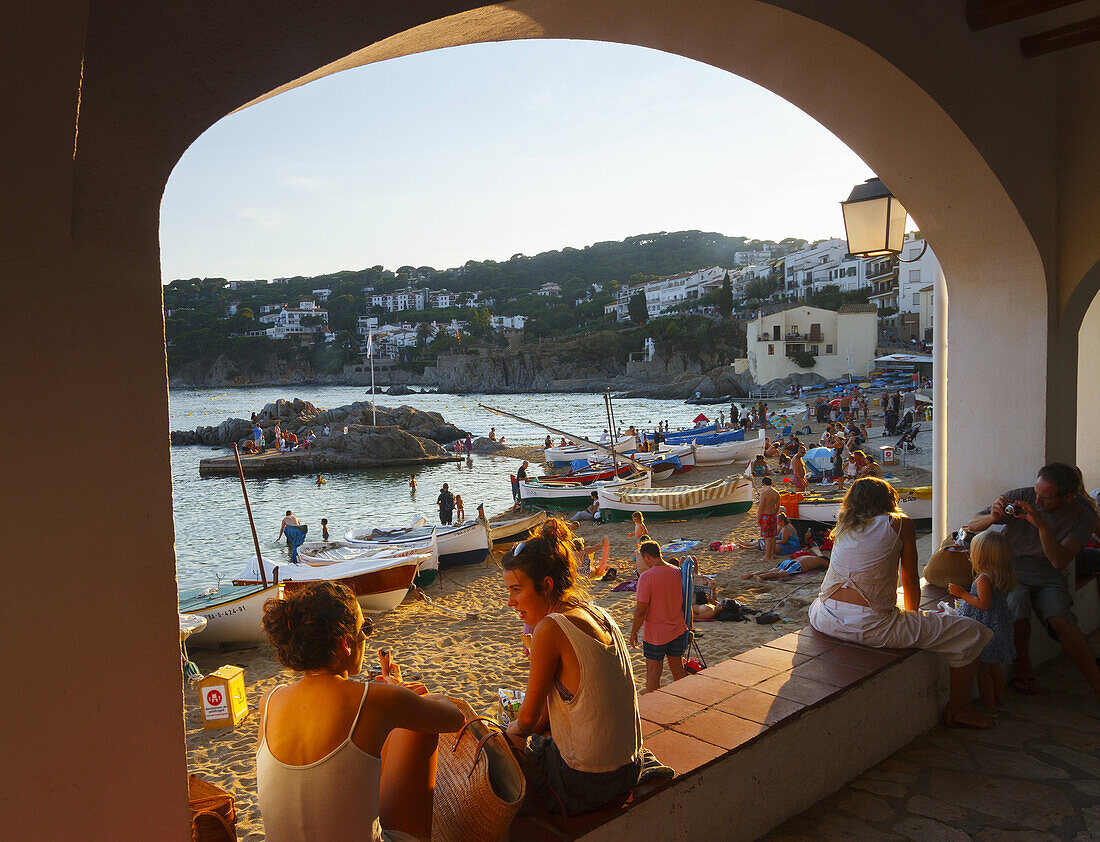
[[872, 542], [580, 687], [343, 759]]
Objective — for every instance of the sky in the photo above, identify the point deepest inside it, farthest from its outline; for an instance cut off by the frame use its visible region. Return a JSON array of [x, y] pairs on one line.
[[483, 151]]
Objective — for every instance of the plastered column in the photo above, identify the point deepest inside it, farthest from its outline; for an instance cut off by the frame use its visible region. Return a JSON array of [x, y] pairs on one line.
[[995, 430], [940, 525], [1088, 396]]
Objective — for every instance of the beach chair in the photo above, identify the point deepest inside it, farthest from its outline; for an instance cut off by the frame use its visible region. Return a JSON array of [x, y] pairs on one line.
[[687, 578]]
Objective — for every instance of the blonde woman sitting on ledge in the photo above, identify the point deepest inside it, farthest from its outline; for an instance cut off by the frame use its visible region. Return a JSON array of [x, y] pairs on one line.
[[873, 540]]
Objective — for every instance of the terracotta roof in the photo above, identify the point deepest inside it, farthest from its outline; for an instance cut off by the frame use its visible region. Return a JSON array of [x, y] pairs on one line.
[[858, 308]]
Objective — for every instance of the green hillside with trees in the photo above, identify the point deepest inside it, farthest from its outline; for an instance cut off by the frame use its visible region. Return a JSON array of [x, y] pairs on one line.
[[197, 327]]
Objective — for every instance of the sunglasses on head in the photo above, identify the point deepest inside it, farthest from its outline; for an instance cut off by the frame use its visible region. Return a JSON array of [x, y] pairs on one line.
[[518, 548]]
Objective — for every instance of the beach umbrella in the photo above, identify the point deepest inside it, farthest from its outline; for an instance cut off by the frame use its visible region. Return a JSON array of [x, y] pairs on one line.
[[820, 459], [700, 419], [834, 402], [838, 388]]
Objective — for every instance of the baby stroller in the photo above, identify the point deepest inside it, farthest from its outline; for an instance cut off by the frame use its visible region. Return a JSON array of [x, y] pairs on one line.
[[906, 442], [890, 423]]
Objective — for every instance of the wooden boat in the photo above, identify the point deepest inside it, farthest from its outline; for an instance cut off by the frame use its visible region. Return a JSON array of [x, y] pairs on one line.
[[232, 613], [517, 529], [592, 473], [732, 496], [821, 507], [727, 454], [558, 457], [457, 545], [571, 497], [379, 581]]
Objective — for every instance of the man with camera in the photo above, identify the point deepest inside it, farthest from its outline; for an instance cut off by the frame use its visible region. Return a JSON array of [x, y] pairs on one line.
[[1046, 526]]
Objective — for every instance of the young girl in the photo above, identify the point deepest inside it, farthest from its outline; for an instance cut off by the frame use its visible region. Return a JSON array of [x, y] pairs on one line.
[[991, 559], [460, 509], [639, 533]]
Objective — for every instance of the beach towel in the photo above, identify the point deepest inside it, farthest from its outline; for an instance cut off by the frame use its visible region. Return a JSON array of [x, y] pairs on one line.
[[295, 536], [677, 547]]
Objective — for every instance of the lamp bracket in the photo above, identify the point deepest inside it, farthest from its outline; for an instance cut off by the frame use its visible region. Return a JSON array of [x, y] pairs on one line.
[[914, 259]]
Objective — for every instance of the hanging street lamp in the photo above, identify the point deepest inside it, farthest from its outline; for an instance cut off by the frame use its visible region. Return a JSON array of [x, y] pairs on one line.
[[874, 221]]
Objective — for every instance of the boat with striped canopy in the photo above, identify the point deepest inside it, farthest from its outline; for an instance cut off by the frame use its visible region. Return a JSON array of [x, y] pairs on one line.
[[730, 496]]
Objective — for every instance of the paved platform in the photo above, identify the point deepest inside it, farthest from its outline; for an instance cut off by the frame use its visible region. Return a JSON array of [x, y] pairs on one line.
[[1034, 777]]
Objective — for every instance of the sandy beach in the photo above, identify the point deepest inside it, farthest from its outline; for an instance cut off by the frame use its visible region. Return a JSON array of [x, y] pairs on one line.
[[472, 658]]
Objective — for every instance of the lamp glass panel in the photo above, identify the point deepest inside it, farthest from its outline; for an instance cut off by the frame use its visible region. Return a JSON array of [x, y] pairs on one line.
[[896, 234], [865, 225]]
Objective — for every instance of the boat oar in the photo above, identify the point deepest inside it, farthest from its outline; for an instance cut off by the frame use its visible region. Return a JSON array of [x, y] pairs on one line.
[[251, 521], [421, 595]]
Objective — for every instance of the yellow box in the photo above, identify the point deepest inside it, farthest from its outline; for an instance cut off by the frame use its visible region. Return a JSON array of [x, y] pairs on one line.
[[222, 697]]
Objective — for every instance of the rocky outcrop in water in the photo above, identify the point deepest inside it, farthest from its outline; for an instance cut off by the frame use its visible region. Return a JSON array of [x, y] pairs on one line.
[[300, 417]]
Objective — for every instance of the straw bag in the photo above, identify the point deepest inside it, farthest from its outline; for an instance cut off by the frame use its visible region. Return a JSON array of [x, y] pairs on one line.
[[213, 816], [479, 785]]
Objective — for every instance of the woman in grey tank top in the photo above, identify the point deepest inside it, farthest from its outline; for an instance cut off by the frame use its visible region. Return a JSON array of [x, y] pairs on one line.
[[342, 759], [580, 687]]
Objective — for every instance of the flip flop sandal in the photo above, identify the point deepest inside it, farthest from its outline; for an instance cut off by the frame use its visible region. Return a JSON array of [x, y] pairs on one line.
[[611, 575], [1026, 686]]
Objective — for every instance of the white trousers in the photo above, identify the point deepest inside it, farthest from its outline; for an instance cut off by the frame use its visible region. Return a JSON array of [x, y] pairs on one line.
[[959, 639]]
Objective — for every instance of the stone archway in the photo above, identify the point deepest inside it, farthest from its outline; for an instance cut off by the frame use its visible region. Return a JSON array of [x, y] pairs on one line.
[[139, 82]]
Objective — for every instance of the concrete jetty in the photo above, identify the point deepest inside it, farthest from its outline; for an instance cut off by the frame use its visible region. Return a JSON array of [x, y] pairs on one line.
[[306, 462]]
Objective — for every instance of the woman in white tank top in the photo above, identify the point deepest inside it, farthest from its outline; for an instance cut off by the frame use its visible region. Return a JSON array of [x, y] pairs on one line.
[[580, 687], [341, 759], [874, 542]]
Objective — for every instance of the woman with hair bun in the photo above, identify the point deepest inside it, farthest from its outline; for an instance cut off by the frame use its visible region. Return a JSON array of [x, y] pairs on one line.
[[872, 542], [580, 687], [342, 759]]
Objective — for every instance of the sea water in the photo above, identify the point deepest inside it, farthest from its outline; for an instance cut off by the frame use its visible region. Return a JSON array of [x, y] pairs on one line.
[[213, 538]]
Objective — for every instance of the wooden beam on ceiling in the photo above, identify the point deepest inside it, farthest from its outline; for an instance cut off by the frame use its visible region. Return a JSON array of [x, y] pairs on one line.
[[982, 14], [1062, 38]]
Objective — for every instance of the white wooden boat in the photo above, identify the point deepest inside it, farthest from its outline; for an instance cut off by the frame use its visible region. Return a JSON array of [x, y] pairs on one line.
[[458, 545], [232, 613], [732, 496], [822, 507], [571, 497], [517, 529], [730, 452], [379, 581], [558, 457]]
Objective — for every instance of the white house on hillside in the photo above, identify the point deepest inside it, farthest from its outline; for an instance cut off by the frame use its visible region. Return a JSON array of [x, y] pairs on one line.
[[821, 264], [508, 322], [842, 342], [548, 289]]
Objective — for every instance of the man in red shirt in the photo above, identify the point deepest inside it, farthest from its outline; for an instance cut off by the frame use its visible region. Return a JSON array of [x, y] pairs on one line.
[[661, 608]]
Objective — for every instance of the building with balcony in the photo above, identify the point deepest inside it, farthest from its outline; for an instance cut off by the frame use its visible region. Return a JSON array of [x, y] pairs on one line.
[[403, 299], [841, 342]]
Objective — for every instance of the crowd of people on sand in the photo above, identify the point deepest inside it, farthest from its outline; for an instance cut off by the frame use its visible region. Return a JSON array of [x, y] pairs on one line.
[[362, 762]]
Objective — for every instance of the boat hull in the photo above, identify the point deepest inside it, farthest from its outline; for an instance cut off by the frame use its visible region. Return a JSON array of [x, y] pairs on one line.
[[815, 512], [458, 545], [233, 620], [568, 498], [509, 532], [729, 453], [737, 501], [377, 590]]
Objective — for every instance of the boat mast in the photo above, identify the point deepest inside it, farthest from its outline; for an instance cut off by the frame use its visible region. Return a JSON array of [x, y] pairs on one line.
[[370, 353], [251, 521], [611, 430]]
